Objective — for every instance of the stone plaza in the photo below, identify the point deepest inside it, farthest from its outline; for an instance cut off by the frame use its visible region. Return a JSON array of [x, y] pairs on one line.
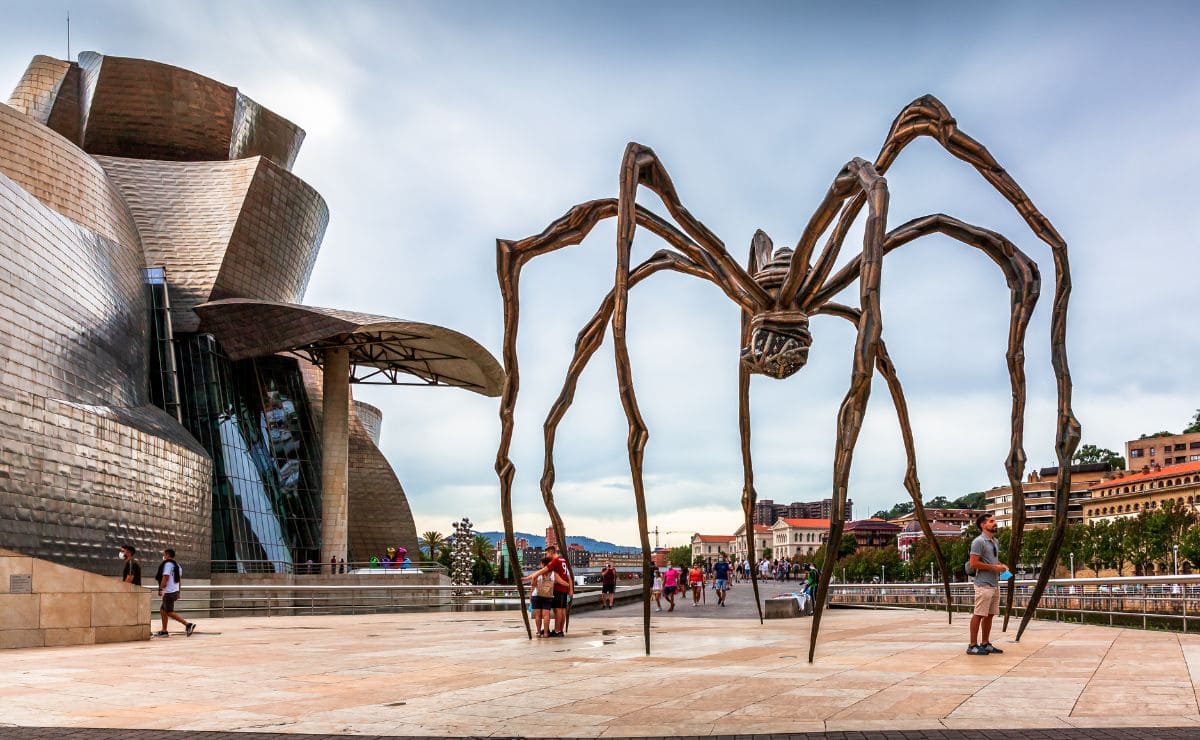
[[476, 674]]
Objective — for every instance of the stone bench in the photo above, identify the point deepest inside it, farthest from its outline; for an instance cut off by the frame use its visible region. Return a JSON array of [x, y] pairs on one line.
[[781, 609]]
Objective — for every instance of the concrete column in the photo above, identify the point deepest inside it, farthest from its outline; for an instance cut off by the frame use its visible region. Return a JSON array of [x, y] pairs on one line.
[[335, 448]]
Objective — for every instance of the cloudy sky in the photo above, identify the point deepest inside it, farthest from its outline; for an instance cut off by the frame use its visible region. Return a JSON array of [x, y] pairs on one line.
[[434, 128]]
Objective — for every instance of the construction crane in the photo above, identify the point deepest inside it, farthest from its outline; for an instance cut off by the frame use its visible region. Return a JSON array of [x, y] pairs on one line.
[[656, 533]]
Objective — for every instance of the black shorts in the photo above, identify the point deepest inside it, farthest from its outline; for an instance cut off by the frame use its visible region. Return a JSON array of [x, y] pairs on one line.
[[608, 588], [168, 602], [542, 602], [559, 601], [669, 590]]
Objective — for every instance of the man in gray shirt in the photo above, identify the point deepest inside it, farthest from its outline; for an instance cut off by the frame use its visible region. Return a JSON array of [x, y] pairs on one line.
[[985, 562]]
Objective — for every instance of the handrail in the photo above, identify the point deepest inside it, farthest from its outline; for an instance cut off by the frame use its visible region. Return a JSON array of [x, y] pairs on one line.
[[315, 568]]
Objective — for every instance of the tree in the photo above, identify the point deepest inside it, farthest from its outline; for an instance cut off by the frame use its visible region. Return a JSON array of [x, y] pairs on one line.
[[898, 510], [976, 500], [1156, 434], [1091, 543], [1189, 546], [1034, 546], [482, 547], [1117, 546], [1194, 426], [1088, 454], [680, 556], [433, 543]]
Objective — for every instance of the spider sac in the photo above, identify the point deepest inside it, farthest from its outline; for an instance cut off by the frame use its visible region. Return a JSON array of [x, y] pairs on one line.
[[779, 340]]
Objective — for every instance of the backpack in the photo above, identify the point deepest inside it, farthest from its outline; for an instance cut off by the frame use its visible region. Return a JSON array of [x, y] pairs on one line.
[[968, 569], [545, 586]]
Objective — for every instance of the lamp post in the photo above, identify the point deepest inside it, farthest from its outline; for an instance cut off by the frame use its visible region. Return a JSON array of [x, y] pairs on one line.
[[883, 570], [1072, 565], [1176, 549], [843, 575], [931, 572]]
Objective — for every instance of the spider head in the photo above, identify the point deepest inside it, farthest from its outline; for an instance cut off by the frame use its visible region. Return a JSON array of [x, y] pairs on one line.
[[779, 342]]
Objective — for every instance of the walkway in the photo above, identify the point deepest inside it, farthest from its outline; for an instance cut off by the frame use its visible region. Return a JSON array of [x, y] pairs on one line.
[[475, 674]]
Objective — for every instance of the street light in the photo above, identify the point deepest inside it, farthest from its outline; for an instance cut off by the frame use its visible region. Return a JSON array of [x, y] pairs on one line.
[[1176, 548], [931, 572], [1072, 565], [883, 569]]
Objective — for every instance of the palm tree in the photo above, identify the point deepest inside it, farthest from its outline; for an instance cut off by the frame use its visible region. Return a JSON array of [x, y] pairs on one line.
[[433, 542], [483, 548]]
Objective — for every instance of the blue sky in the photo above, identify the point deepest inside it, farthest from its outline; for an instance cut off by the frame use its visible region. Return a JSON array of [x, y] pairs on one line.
[[434, 128]]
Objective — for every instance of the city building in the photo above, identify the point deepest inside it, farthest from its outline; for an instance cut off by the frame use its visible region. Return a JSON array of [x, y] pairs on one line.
[[162, 385], [912, 533], [872, 532], [797, 537], [1130, 493], [762, 540], [767, 512], [959, 517], [1039, 495], [620, 560], [708, 546], [1175, 449]]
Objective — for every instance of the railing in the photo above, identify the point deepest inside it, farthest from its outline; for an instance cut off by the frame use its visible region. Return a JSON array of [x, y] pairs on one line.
[[264, 600], [290, 568], [1166, 602]]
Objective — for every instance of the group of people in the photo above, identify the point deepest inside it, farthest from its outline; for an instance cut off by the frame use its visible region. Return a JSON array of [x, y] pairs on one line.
[[553, 589], [700, 576], [169, 579]]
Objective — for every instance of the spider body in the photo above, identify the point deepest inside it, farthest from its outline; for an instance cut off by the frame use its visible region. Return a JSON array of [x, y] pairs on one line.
[[777, 292]]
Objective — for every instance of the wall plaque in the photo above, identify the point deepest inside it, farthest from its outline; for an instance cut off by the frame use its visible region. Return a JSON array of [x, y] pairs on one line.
[[20, 583]]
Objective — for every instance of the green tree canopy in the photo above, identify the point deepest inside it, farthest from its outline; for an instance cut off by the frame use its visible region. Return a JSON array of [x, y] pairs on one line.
[[432, 542], [1088, 454], [681, 556], [1156, 434], [1194, 426]]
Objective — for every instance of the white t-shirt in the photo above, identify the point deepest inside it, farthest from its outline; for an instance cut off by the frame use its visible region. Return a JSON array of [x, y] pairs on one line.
[[657, 586], [172, 571]]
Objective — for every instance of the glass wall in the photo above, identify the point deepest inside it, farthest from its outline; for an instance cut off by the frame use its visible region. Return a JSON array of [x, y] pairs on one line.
[[253, 418]]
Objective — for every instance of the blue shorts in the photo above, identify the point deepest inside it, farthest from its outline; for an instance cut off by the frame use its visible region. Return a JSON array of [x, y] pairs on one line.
[[721, 583]]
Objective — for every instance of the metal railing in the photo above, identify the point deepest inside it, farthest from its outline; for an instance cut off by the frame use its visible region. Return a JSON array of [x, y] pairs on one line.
[[290, 568], [271, 600], [1166, 602]]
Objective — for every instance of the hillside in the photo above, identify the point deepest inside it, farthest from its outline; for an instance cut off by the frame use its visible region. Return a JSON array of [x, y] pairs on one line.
[[587, 543]]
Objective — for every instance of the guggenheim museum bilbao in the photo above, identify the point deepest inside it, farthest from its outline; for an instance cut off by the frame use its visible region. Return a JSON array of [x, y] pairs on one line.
[[161, 383]]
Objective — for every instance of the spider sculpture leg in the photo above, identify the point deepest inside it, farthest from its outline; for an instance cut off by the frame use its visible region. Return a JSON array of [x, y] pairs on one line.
[[639, 166], [883, 363], [1024, 281], [926, 116], [761, 250], [866, 346]]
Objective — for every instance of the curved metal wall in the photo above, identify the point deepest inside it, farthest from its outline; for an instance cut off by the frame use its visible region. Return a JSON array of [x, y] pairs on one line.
[[86, 464], [64, 177], [245, 228]]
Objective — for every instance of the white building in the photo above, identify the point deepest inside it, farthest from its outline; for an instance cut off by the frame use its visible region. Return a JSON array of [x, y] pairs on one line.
[[792, 537]]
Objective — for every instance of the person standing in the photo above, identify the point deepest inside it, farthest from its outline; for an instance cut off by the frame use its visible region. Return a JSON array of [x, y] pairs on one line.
[[564, 588], [656, 589], [608, 585], [670, 584], [169, 577], [132, 571], [720, 579], [543, 600], [985, 562], [696, 581]]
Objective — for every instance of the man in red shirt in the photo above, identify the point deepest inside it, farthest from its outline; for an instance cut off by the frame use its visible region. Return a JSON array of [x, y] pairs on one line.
[[564, 587]]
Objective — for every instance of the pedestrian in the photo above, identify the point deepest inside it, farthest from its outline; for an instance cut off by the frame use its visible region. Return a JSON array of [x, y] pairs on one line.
[[696, 581], [169, 577], [132, 572], [656, 589], [720, 579], [608, 585], [564, 588], [342, 565], [332, 564], [543, 600], [985, 565], [670, 584]]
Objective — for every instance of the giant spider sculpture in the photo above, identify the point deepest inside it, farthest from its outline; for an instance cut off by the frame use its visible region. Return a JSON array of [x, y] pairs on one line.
[[777, 294]]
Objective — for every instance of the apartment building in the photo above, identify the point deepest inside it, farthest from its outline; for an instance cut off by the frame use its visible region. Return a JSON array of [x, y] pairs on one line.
[[1130, 493], [767, 512], [1039, 489], [1176, 449]]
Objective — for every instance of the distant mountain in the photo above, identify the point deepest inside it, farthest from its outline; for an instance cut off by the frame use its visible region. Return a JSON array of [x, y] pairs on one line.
[[587, 543]]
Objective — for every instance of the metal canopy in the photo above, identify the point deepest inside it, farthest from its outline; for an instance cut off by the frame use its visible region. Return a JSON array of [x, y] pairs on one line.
[[382, 350]]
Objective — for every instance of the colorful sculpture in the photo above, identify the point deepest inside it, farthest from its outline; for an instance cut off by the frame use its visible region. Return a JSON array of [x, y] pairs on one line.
[[777, 293]]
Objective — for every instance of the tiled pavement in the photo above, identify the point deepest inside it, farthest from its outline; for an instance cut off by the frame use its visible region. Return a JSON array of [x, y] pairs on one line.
[[878, 674], [1089, 733]]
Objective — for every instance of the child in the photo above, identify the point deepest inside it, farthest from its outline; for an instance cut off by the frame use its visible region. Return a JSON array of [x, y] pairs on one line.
[[656, 589], [542, 600]]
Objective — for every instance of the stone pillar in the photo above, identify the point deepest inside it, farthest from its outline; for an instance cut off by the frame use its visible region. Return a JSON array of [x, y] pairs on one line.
[[335, 446]]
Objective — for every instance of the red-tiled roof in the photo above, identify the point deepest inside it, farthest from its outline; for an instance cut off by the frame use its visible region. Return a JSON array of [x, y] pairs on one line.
[[1167, 471], [879, 524], [716, 537], [806, 523], [762, 529]]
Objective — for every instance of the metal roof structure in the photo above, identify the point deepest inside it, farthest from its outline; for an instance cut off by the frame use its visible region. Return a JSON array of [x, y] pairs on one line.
[[382, 350]]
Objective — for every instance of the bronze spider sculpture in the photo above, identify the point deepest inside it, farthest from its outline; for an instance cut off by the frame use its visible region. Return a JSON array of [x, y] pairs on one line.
[[777, 294]]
